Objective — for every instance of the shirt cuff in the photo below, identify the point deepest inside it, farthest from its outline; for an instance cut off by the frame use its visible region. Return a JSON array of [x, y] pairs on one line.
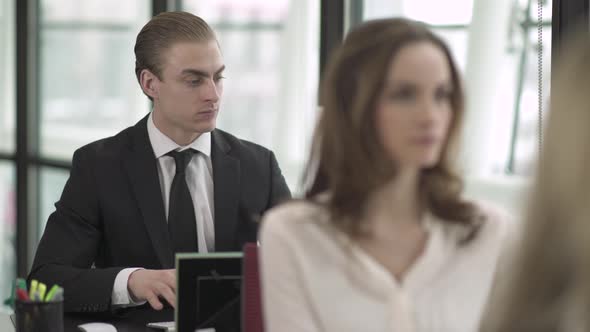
[[121, 296]]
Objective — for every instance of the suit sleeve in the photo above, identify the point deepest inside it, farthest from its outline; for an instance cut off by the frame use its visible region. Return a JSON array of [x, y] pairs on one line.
[[70, 243], [279, 189]]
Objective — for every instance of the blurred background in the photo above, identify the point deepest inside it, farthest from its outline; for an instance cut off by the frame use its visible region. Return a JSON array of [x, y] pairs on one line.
[[67, 78]]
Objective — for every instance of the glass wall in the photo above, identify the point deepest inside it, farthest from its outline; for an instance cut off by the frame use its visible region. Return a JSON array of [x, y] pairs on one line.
[[526, 142], [52, 180], [7, 77], [88, 88], [271, 52], [7, 146], [495, 44], [7, 228]]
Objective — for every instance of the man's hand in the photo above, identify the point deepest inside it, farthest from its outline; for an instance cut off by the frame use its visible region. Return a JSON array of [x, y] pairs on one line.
[[150, 285]]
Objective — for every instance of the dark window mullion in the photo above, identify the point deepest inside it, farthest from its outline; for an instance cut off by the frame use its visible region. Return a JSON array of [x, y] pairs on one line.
[[567, 15], [159, 6], [39, 162], [27, 128], [331, 29], [21, 137], [7, 157]]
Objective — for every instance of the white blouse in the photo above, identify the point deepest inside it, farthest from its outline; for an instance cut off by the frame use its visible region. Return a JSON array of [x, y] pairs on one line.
[[314, 279]]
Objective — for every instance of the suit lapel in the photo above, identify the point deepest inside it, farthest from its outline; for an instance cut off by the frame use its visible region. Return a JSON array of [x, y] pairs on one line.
[[141, 166], [226, 188]]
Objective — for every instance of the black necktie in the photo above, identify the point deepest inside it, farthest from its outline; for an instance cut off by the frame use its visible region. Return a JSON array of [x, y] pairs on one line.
[[182, 224]]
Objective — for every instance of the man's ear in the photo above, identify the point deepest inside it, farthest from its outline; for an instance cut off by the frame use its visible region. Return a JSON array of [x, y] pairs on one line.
[[149, 83]]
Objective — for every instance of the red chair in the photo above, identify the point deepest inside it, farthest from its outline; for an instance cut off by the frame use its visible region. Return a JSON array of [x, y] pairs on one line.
[[251, 299]]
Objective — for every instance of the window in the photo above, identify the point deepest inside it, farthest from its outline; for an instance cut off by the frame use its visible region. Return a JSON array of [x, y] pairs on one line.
[[270, 49], [52, 181], [495, 45], [526, 141], [88, 88], [7, 77], [7, 228], [7, 146]]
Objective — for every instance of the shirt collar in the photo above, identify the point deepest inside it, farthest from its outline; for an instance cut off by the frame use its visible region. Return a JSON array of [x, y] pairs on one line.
[[426, 267], [162, 144]]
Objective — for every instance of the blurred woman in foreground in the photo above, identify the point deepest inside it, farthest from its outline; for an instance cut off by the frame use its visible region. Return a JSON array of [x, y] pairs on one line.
[[547, 287], [383, 240]]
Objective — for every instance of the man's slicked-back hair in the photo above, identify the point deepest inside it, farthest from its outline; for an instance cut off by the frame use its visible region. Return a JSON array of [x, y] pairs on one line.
[[161, 32]]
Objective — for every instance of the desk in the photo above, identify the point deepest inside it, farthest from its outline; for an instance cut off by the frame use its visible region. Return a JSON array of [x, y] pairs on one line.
[[132, 321], [5, 323]]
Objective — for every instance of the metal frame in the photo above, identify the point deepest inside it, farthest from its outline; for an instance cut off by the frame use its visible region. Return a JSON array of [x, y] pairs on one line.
[[26, 121], [567, 14], [331, 28], [159, 6]]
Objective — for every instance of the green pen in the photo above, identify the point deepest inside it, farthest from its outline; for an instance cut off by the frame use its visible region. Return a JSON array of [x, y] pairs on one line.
[[51, 293], [59, 295]]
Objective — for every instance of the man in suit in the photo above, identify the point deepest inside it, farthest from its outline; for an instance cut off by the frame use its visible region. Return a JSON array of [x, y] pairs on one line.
[[171, 183]]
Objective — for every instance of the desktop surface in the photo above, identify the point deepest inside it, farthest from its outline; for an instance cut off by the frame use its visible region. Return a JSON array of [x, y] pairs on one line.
[[132, 321], [5, 323]]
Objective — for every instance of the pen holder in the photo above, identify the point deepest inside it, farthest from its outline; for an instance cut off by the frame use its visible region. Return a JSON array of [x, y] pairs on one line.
[[36, 316]]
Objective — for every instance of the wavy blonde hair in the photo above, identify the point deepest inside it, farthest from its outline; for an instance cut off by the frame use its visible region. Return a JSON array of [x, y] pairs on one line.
[[548, 285]]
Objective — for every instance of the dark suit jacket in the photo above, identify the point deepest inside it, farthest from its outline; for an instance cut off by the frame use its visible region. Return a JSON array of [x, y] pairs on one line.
[[111, 214]]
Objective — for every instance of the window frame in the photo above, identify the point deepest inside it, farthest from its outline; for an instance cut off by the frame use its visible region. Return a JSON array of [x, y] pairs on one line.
[[335, 15]]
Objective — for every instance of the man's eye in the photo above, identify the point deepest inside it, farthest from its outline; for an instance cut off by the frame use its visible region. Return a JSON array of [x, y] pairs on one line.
[[195, 81]]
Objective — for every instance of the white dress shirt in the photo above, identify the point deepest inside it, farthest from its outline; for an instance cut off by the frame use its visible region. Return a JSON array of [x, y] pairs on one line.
[[315, 279], [199, 178]]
